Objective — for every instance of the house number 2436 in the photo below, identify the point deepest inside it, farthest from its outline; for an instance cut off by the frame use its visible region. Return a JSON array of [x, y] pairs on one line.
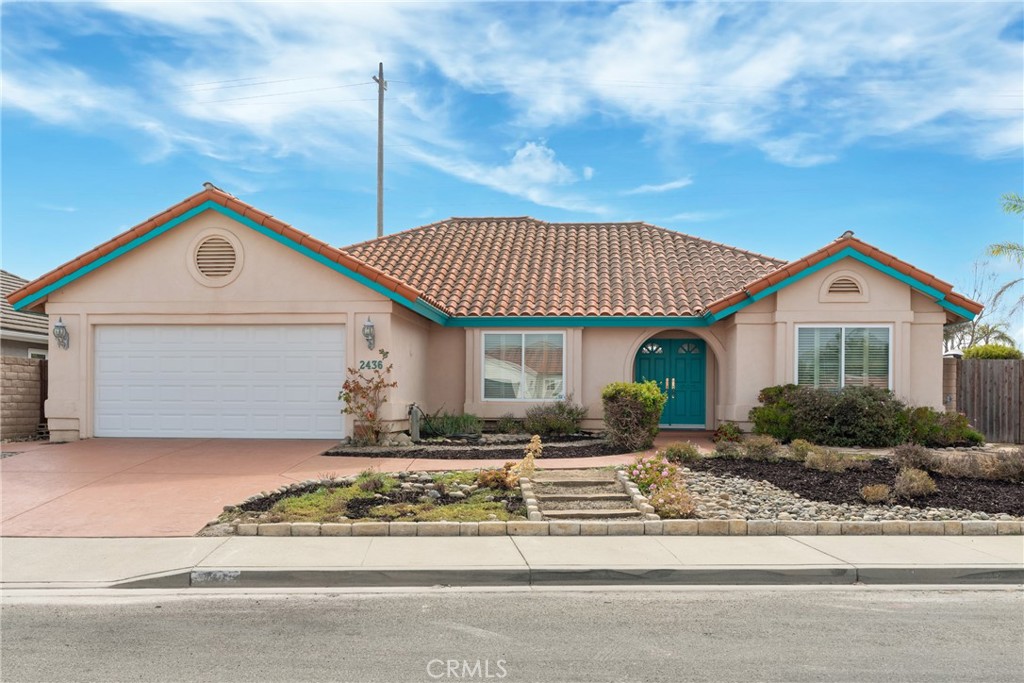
[[371, 365]]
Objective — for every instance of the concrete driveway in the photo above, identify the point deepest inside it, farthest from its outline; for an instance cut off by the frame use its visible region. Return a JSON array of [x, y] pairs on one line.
[[172, 487]]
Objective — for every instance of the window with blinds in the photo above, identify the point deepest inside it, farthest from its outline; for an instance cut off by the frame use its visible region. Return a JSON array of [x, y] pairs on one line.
[[835, 357], [524, 366]]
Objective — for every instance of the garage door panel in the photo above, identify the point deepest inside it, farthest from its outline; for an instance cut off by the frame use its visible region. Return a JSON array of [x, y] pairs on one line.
[[256, 381]]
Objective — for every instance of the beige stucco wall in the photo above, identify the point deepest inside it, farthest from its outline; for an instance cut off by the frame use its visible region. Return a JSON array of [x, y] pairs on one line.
[[152, 285], [751, 349], [446, 370]]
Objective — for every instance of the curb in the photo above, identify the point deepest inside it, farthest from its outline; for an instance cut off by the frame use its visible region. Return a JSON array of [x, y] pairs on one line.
[[553, 576], [648, 527]]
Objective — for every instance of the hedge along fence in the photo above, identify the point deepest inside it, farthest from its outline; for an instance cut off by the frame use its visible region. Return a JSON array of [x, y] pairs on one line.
[[991, 394]]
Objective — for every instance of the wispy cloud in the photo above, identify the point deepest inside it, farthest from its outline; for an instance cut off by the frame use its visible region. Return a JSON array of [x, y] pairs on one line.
[[61, 209], [693, 216], [664, 187], [250, 83]]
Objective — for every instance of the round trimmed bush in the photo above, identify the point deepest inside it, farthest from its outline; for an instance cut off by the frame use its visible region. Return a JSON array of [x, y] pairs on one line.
[[631, 413]]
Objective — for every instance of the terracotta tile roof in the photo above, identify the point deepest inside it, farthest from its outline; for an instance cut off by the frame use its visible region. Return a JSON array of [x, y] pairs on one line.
[[523, 266], [19, 321], [767, 280], [229, 201]]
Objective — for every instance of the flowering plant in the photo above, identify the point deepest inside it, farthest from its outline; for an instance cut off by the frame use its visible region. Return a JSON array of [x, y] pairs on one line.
[[651, 473], [364, 395]]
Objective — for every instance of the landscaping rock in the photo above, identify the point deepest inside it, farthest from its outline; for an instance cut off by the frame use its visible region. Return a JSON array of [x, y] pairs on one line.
[[305, 529], [932, 528], [335, 529], [403, 529], [517, 528], [979, 528], [246, 529], [679, 527], [761, 527], [438, 529], [593, 528], [370, 528], [563, 528], [713, 527], [275, 529], [491, 529], [469, 529], [625, 528]]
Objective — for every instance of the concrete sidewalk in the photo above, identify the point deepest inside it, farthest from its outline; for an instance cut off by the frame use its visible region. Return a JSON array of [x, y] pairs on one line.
[[507, 561]]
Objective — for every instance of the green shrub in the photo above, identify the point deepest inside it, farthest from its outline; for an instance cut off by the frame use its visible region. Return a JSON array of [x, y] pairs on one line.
[[673, 501], [937, 429], [761, 447], [652, 472], [680, 452], [853, 416], [450, 424], [875, 493], [912, 456], [632, 411], [560, 418], [509, 424], [913, 483], [729, 449], [727, 431], [993, 352], [799, 448]]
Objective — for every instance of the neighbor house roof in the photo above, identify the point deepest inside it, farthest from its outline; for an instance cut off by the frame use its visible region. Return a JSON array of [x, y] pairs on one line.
[[210, 196], [526, 267], [22, 322]]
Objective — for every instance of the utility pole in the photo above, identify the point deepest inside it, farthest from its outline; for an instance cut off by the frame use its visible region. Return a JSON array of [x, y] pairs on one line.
[[382, 85]]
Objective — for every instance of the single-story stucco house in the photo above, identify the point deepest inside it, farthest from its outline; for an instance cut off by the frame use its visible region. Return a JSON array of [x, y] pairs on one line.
[[214, 319]]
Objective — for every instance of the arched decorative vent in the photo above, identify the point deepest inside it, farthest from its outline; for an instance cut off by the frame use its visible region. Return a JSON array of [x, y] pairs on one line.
[[844, 285], [215, 257], [651, 348], [689, 347]]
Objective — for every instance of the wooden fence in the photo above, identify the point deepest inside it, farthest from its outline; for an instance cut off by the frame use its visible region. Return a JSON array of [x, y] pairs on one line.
[[991, 394]]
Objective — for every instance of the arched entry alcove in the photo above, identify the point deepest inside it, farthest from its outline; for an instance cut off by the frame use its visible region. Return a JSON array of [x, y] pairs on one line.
[[681, 365]]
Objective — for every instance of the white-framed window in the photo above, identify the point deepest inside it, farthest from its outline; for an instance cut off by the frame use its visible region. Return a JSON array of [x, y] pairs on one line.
[[37, 353], [837, 356], [523, 366]]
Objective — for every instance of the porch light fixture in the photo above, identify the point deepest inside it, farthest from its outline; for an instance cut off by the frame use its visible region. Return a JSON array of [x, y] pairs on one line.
[[369, 334], [60, 332]]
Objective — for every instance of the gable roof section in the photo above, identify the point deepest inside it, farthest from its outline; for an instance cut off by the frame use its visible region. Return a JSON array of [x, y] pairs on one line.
[[848, 246], [514, 267], [22, 322], [212, 198], [479, 272]]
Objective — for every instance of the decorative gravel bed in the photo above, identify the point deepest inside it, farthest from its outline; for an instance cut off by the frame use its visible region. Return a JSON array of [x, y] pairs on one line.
[[726, 488]]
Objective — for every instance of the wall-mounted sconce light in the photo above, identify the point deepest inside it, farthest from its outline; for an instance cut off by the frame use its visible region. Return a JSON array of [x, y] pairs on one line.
[[369, 334], [60, 332]]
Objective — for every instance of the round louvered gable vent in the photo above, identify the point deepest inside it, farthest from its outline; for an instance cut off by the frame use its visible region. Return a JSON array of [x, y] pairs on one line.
[[844, 285], [215, 257]]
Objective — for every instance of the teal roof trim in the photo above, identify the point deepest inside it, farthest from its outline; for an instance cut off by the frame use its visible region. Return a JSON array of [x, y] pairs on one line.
[[85, 270], [418, 306], [576, 321], [431, 312], [849, 252]]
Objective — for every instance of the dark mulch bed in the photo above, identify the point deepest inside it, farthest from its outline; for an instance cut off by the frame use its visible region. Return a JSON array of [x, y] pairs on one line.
[[581, 447], [979, 495]]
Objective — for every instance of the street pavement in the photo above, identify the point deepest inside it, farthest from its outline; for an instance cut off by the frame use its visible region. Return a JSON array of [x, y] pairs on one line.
[[860, 633]]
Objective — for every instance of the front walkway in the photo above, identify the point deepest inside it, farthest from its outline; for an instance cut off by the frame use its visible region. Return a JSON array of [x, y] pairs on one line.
[[173, 487]]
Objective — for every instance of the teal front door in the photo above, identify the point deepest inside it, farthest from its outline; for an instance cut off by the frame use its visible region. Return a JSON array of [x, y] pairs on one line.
[[678, 366]]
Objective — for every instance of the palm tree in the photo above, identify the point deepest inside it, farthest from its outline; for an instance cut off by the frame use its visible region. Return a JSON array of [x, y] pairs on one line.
[[1012, 203]]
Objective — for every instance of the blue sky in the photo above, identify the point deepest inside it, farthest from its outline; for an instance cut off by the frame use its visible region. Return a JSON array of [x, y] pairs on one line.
[[770, 126]]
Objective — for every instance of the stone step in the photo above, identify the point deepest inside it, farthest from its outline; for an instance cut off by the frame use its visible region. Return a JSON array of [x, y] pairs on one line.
[[570, 483], [564, 497], [622, 513], [579, 477]]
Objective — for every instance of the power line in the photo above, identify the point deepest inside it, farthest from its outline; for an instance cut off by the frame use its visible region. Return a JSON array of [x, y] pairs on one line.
[[291, 92]]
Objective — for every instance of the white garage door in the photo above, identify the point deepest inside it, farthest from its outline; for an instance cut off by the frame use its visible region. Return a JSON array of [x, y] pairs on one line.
[[239, 381]]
